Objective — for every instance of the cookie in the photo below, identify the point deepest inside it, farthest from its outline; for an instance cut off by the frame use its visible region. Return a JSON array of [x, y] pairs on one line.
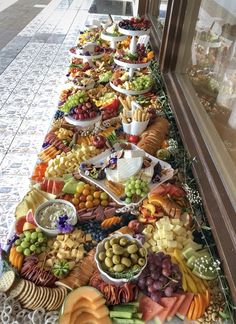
[[7, 280]]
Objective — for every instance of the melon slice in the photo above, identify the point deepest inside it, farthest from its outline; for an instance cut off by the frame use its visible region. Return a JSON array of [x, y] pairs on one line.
[[180, 300], [149, 308], [93, 306], [86, 318], [73, 298], [168, 304], [183, 310], [98, 313]]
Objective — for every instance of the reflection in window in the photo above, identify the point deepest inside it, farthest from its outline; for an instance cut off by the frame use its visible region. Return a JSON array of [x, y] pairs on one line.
[[212, 69]]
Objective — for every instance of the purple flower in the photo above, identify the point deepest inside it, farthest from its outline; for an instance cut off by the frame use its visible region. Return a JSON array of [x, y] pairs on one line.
[[63, 225]]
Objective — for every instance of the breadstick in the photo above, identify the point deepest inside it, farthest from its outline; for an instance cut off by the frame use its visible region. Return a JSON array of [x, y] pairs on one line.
[[128, 100], [139, 115], [123, 102]]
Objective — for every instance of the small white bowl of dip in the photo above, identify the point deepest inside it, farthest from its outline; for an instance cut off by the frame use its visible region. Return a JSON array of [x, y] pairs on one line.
[[47, 215]]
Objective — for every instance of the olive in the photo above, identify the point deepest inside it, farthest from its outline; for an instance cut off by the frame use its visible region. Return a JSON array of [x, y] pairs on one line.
[[136, 268], [126, 262], [103, 266], [108, 262], [117, 249], [142, 252], [126, 254], [132, 248], [114, 240], [134, 258], [141, 262], [116, 259], [119, 268], [109, 253], [102, 256], [107, 245], [123, 241]]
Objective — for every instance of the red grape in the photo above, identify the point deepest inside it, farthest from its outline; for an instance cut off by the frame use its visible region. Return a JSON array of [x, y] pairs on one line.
[[156, 296], [168, 291], [157, 285], [149, 281]]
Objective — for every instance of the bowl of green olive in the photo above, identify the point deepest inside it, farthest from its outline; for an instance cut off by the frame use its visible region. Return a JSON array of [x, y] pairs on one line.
[[120, 258]]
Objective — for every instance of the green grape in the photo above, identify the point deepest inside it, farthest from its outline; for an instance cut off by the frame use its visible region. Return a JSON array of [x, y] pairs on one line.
[[41, 240], [32, 248], [138, 181], [138, 192], [43, 248], [19, 249], [22, 236], [143, 194], [17, 242], [27, 252], [128, 200], [137, 186], [40, 235], [34, 235], [133, 191], [129, 194], [38, 230], [38, 250], [27, 234], [24, 245], [130, 186]]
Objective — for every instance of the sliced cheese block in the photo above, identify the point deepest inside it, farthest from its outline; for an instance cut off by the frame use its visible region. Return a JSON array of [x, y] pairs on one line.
[[112, 175], [147, 174], [127, 168], [133, 154]]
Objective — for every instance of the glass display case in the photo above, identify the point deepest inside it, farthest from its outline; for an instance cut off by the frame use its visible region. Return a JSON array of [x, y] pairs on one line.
[[197, 58]]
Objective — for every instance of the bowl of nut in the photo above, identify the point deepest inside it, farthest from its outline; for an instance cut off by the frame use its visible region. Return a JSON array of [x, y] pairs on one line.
[[120, 258]]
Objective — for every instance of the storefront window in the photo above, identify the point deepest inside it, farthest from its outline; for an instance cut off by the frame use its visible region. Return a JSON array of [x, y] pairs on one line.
[[212, 68], [207, 68], [157, 13]]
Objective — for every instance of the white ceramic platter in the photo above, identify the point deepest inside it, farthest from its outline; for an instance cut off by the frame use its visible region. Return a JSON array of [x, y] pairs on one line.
[[82, 123], [132, 65], [134, 32], [99, 159], [129, 92], [111, 38]]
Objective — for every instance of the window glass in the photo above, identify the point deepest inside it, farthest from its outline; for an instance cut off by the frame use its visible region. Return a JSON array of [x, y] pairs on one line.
[[157, 12], [212, 67]]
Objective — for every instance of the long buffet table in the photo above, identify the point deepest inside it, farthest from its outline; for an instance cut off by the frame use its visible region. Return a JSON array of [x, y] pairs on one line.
[[112, 228]]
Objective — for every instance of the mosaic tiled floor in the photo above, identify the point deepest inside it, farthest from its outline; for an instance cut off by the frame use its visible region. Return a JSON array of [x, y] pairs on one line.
[[32, 68]]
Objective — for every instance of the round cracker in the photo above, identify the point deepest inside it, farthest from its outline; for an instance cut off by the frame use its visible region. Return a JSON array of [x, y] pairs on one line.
[[24, 291], [28, 301], [17, 289], [31, 287], [35, 298], [63, 296], [43, 297], [53, 297], [7, 280]]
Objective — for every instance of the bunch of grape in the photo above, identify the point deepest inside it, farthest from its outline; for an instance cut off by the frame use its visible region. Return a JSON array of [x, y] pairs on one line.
[[30, 242], [73, 101], [161, 277], [142, 82], [135, 187]]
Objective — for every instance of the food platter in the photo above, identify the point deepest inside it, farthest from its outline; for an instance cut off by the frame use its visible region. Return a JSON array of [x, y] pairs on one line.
[[134, 32], [112, 39], [99, 160], [132, 65], [129, 92], [83, 123]]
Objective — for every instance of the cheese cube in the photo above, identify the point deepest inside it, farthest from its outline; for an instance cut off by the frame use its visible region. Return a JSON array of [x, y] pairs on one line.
[[150, 228], [152, 242], [80, 255], [146, 245], [179, 246], [169, 235], [74, 253], [56, 245], [155, 249], [179, 239], [69, 243], [88, 237], [156, 236], [167, 227], [172, 244], [60, 238], [165, 243], [175, 221]]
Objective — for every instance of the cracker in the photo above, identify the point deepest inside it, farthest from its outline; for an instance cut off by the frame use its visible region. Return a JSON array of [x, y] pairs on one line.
[[30, 297], [7, 280], [28, 292], [24, 291], [52, 298], [17, 289]]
